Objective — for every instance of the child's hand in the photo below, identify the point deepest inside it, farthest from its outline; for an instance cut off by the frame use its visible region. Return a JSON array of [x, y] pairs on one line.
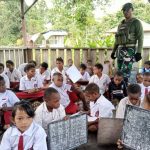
[[119, 144], [66, 118], [33, 90], [85, 112], [4, 109]]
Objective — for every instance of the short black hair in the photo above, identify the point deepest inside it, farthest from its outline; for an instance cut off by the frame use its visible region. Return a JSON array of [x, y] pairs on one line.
[[92, 88], [29, 66], [147, 74], [99, 66], [139, 74], [119, 73], [57, 74], [23, 106], [48, 92], [1, 78], [33, 62], [83, 66], [134, 89], [10, 62], [147, 62], [60, 59], [2, 65], [44, 65]]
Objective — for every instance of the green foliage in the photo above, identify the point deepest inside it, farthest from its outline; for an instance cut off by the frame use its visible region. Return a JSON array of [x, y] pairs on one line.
[[10, 23]]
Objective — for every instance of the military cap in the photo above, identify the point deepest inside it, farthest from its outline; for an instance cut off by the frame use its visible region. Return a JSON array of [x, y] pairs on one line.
[[127, 6]]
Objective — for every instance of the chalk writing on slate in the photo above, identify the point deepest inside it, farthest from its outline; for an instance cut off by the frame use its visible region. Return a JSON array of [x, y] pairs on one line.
[[136, 128], [67, 134]]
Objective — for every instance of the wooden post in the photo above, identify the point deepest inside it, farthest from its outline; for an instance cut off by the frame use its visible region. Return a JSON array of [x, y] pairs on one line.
[[23, 23]]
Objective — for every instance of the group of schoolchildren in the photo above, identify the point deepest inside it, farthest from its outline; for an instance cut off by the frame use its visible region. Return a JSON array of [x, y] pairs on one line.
[[60, 97]]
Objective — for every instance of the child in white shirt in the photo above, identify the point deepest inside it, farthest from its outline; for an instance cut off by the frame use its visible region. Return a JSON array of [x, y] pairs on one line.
[[50, 110], [99, 105], [133, 98], [44, 73], [102, 80], [7, 101], [2, 73], [30, 82], [145, 105], [25, 134], [84, 73], [145, 86], [13, 74], [21, 68], [59, 68], [68, 94]]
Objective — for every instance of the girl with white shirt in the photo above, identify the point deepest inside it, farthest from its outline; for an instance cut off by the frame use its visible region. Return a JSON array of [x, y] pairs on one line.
[[25, 134]]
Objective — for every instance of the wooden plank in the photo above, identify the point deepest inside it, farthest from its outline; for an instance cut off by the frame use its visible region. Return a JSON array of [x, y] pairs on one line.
[[77, 57], [49, 58], [68, 55], [33, 54], [53, 58], [85, 56], [41, 55], [93, 56], [65, 57]]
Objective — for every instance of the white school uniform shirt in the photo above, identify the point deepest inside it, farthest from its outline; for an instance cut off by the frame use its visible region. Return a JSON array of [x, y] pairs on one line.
[[102, 82], [26, 84], [34, 137], [143, 91], [62, 72], [101, 108], [45, 75], [64, 97], [21, 69], [7, 82], [8, 99], [43, 117], [122, 106], [86, 76], [13, 76]]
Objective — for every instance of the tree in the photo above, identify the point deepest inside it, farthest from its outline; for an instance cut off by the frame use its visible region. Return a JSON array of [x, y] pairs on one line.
[[10, 24]]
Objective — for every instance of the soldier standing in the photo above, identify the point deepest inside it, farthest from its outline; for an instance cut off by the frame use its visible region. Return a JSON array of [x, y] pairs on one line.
[[128, 41]]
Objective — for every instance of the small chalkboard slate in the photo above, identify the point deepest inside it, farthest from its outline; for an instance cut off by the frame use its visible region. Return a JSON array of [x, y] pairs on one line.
[[136, 128], [68, 134]]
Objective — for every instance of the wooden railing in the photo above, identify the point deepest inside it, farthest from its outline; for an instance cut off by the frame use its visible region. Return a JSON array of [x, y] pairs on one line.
[[49, 55]]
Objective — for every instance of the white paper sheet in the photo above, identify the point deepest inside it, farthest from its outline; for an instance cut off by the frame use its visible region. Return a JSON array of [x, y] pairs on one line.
[[90, 119], [74, 74]]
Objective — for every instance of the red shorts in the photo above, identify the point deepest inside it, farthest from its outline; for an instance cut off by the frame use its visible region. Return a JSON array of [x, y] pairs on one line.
[[72, 108], [5, 118], [36, 95]]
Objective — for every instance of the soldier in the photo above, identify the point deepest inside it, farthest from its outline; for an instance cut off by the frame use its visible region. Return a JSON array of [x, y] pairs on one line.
[[128, 41]]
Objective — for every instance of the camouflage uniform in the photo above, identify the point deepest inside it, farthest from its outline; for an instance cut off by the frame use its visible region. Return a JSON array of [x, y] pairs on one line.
[[128, 33]]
